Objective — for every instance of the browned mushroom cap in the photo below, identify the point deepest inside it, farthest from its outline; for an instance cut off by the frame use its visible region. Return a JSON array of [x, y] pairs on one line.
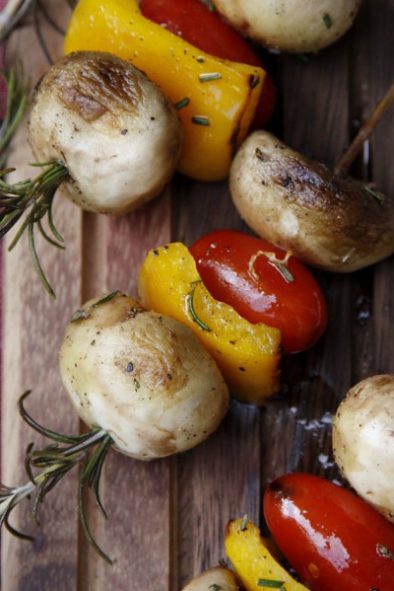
[[330, 222], [114, 130]]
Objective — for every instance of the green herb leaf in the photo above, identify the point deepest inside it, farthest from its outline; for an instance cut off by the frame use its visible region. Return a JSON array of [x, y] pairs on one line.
[[253, 81], [54, 462], [271, 584], [327, 20], [378, 196], [284, 271], [106, 298], [182, 103], [201, 120], [17, 100], [191, 309], [208, 76], [215, 587], [32, 199], [279, 264]]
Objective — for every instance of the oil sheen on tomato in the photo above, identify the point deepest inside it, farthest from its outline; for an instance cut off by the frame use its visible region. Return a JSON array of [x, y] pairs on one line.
[[333, 539]]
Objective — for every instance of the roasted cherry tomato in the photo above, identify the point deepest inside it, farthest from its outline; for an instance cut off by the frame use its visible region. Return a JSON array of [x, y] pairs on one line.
[[262, 284], [333, 539], [196, 23]]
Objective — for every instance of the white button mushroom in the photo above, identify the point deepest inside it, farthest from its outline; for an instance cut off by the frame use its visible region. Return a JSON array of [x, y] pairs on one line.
[[363, 441], [291, 25], [142, 377], [101, 129], [325, 220], [111, 127]]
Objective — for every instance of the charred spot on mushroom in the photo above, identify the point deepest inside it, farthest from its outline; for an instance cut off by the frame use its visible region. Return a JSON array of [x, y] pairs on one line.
[[301, 206], [98, 85]]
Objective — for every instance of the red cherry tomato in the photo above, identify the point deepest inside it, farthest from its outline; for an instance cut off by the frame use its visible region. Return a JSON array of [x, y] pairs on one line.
[[333, 539], [196, 23], [253, 277]]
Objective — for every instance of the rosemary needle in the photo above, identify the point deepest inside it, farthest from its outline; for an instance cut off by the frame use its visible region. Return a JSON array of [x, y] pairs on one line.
[[17, 87], [34, 199], [54, 462], [31, 198]]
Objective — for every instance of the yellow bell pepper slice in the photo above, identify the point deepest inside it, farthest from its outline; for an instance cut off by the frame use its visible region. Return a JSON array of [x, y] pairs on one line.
[[247, 354], [253, 562], [219, 97]]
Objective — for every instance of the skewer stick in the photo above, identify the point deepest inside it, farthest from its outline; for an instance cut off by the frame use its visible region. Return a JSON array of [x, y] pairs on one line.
[[11, 14], [364, 133]]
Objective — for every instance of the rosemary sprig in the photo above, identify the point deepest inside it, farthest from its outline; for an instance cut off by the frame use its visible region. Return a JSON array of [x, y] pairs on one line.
[[17, 99], [191, 308], [34, 196], [54, 462]]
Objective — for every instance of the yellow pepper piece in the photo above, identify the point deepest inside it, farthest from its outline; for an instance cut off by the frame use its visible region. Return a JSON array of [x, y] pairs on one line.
[[247, 354], [220, 96], [252, 560]]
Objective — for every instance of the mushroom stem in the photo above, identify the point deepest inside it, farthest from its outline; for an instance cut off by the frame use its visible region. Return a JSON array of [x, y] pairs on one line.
[[364, 133]]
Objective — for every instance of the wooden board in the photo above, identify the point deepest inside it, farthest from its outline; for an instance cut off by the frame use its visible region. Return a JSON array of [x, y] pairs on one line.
[[167, 518]]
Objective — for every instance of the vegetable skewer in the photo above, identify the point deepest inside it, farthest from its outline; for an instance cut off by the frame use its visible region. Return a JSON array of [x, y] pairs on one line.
[[140, 381]]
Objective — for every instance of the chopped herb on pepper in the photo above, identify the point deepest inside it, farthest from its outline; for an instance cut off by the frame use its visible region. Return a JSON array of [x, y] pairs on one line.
[[191, 309], [182, 103], [208, 76], [201, 120], [271, 584], [253, 81]]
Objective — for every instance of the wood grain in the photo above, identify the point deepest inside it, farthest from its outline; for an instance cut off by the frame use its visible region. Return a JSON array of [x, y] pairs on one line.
[[137, 495], [32, 331], [167, 518]]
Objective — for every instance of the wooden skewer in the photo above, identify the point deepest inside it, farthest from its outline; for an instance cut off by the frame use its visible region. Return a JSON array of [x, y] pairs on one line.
[[13, 11], [364, 133]]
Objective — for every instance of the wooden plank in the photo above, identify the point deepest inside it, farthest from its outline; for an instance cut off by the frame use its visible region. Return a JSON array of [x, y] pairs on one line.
[[296, 427], [377, 63], [219, 479], [136, 495], [33, 327]]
